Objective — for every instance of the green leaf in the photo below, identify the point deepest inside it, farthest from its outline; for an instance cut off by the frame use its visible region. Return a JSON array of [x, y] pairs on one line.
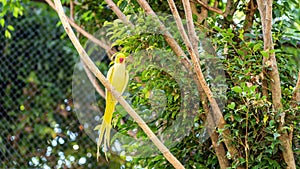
[[11, 28], [7, 34], [257, 46], [237, 89], [265, 53], [253, 88], [231, 105], [2, 22], [176, 97], [16, 12], [3, 2], [107, 23], [238, 118]]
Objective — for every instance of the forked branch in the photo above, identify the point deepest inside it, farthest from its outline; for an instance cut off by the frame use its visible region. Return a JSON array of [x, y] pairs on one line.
[[118, 12], [214, 136], [83, 32], [168, 37], [215, 108], [93, 39]]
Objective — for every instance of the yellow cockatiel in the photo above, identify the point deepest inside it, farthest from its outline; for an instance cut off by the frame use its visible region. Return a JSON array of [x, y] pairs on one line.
[[118, 77]]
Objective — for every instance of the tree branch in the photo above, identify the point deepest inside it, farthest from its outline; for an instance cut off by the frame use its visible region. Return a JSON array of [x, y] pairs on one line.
[[265, 10], [118, 12], [171, 41], [85, 33], [296, 92], [204, 11], [214, 136], [220, 151], [216, 110], [71, 10], [168, 37], [93, 80], [190, 25], [234, 7], [228, 7], [250, 10], [195, 11], [90, 76], [216, 10], [93, 68]]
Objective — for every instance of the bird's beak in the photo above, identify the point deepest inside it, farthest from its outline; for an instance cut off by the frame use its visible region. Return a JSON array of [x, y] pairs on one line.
[[121, 60]]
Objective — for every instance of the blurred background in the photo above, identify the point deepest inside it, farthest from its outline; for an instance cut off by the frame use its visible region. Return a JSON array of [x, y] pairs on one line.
[[38, 128]]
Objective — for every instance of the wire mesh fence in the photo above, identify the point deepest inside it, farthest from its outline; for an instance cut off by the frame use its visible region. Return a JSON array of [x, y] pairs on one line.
[[38, 128]]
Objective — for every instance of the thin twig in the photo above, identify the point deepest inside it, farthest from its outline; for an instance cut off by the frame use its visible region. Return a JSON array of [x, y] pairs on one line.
[[83, 32], [216, 10], [118, 12], [90, 76], [94, 81], [71, 10], [93, 68], [168, 37], [171, 41]]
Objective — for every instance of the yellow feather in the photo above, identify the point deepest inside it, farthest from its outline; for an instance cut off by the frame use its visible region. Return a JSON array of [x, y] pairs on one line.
[[118, 77]]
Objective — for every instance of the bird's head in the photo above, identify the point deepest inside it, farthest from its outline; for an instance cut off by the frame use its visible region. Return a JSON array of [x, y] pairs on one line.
[[120, 58]]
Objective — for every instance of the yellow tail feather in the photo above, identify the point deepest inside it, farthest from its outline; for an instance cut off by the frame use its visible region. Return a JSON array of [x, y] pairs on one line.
[[105, 129]]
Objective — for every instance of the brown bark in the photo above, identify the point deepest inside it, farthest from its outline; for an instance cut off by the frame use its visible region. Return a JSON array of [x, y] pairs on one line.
[[214, 136], [195, 11], [228, 7], [249, 11], [83, 32], [204, 11], [215, 108], [205, 5], [219, 148], [294, 103], [168, 37], [265, 9], [71, 10], [118, 12], [190, 25], [296, 93]]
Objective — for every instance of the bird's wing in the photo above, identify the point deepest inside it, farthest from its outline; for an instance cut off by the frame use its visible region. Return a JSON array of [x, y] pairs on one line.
[[109, 77], [125, 81]]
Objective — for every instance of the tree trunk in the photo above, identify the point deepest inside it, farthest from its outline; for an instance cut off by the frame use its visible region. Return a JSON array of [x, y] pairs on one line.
[[265, 10]]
